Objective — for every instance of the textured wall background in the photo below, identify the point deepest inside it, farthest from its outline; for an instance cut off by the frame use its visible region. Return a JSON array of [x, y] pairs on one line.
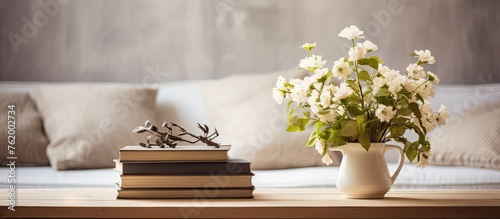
[[156, 40]]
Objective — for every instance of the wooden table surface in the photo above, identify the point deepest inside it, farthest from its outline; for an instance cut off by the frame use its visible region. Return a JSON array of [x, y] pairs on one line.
[[268, 203]]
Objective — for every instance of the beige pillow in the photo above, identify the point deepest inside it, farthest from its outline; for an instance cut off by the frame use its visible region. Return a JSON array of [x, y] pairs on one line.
[[470, 138], [87, 124], [30, 139], [247, 117]]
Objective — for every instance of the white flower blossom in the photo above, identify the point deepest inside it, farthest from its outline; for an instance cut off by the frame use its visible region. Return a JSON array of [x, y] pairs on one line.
[[312, 62], [425, 89], [391, 74], [423, 160], [415, 71], [278, 95], [369, 46], [320, 144], [280, 83], [351, 33], [308, 46], [425, 108], [343, 92], [425, 56], [313, 100], [316, 108], [428, 117], [442, 115], [409, 84], [395, 84], [279, 92], [384, 113], [382, 69], [325, 98], [378, 82], [300, 90], [357, 53], [341, 69], [320, 73], [432, 77], [326, 159], [388, 77], [429, 121]]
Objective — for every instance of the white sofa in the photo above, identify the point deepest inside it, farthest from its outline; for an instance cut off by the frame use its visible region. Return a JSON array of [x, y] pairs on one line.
[[172, 98]]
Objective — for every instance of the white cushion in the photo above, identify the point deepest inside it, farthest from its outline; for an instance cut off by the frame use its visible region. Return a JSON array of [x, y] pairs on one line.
[[456, 98], [410, 177]]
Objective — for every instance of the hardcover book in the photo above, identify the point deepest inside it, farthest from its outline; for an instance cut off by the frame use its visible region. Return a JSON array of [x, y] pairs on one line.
[[233, 166], [186, 193], [192, 153], [187, 181]]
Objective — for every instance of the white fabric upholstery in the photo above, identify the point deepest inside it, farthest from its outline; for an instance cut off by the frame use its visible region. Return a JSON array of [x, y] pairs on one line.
[[410, 177]]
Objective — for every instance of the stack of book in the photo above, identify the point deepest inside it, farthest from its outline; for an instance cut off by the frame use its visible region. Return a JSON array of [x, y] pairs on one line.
[[182, 172]]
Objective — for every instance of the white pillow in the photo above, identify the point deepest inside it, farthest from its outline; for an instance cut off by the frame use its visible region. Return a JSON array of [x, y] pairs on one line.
[[470, 138], [87, 124]]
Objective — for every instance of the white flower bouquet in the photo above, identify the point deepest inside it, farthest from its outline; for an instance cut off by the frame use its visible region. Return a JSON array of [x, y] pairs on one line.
[[361, 100]]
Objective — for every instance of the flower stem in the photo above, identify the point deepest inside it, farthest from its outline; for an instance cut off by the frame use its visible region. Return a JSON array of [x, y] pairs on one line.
[[357, 79]]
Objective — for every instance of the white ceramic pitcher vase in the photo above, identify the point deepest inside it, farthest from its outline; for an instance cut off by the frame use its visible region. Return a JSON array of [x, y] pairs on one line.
[[364, 174]]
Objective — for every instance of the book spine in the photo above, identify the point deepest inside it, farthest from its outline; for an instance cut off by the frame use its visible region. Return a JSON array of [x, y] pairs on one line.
[[131, 168], [186, 181]]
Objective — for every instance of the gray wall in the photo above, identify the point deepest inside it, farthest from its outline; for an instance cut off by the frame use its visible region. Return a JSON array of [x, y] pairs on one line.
[[136, 41]]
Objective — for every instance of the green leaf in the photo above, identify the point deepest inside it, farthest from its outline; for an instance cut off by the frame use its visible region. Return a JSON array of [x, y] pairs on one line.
[[419, 97], [360, 120], [384, 92], [353, 99], [363, 61], [318, 126], [398, 131], [349, 128], [386, 100], [364, 140], [413, 54], [373, 63], [403, 102], [363, 133], [301, 123], [354, 110], [414, 108], [290, 113], [405, 111], [353, 84], [364, 76], [376, 58], [334, 138], [292, 128], [312, 139], [307, 114], [411, 152]]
